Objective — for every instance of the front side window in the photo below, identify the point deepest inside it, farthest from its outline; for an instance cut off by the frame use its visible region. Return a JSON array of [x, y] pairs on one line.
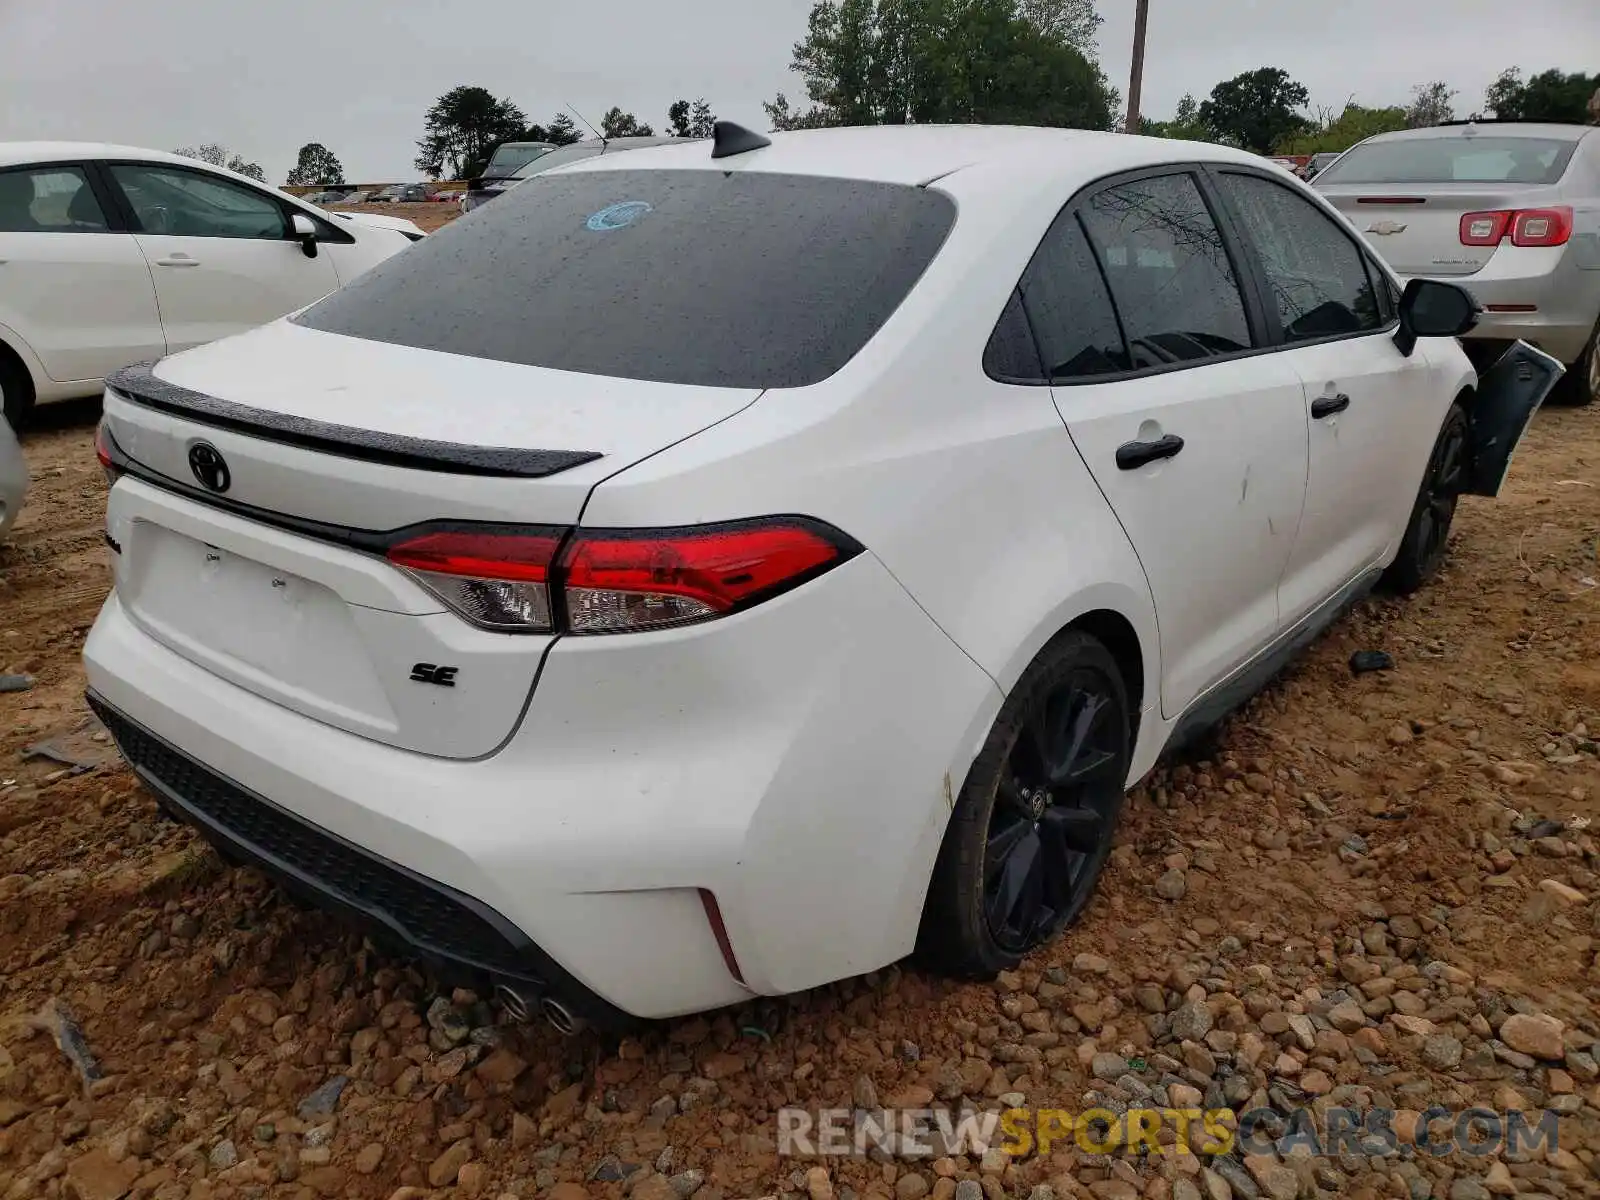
[[1317, 277], [182, 203], [723, 279], [54, 199], [1168, 269]]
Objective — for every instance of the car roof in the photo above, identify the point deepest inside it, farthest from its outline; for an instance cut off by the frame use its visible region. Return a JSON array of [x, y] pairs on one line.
[[30, 152], [920, 154]]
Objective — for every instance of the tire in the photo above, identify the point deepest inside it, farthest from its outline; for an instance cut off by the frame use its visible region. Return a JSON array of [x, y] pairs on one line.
[[1072, 700], [1427, 537], [16, 391], [1581, 384]]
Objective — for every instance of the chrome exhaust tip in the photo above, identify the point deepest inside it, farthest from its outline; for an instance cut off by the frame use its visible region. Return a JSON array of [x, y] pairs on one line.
[[519, 1006], [562, 1019]]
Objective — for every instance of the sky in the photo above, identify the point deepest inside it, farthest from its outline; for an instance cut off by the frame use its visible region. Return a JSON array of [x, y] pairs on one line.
[[358, 75]]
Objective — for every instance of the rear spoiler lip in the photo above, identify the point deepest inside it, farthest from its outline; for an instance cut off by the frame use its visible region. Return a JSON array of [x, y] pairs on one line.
[[140, 385]]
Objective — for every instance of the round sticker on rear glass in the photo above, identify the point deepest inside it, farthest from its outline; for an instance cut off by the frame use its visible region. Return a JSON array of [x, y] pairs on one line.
[[617, 216]]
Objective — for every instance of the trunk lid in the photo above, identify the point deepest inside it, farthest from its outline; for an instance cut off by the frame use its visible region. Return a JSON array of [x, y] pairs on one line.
[[1416, 228], [277, 582]]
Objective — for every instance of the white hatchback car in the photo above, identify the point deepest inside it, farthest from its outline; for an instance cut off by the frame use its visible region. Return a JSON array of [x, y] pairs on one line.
[[111, 255], [720, 569]]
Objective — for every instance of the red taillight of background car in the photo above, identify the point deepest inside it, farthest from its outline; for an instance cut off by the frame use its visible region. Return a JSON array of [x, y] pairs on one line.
[[495, 577], [597, 581], [1526, 227]]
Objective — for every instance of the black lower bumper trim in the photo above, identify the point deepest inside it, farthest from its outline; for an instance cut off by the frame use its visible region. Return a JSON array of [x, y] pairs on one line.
[[459, 936]]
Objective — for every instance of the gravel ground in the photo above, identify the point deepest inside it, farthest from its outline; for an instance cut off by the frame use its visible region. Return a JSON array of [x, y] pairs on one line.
[[1376, 890]]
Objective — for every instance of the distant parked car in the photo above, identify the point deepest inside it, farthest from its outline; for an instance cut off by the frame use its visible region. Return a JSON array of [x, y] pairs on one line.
[[13, 478], [576, 152], [506, 162], [402, 193], [331, 196], [352, 198], [1511, 210], [182, 253]]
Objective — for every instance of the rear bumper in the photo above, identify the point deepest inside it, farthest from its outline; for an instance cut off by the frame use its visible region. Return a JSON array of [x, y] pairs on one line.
[[795, 761], [1565, 299]]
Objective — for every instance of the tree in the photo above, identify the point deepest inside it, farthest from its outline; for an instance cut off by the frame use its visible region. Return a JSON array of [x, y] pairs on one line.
[[618, 124], [1548, 96], [1431, 104], [221, 156], [1074, 22], [562, 131], [464, 127], [892, 62], [1185, 125], [1256, 110], [1354, 124], [316, 165], [690, 120]]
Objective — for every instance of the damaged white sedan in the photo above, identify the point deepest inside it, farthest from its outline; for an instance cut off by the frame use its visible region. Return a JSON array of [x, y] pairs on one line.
[[723, 568]]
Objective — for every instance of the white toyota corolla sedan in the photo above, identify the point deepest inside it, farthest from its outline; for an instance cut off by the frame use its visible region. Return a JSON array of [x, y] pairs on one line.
[[717, 570], [111, 255]]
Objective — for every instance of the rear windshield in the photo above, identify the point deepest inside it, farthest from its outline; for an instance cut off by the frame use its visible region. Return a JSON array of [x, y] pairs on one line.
[[508, 159], [1454, 160], [735, 279]]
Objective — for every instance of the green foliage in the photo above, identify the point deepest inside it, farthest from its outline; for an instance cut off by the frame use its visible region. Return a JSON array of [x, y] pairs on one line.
[[316, 164], [1256, 110], [1185, 125], [1548, 96], [221, 156], [1354, 124], [1074, 22], [1431, 104], [690, 120], [617, 124], [893, 62], [464, 127], [562, 131]]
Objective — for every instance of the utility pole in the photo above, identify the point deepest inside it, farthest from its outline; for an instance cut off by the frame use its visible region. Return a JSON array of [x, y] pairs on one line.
[[1136, 81]]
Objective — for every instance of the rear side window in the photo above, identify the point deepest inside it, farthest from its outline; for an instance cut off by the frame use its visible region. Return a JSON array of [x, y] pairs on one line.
[[1168, 269], [727, 279], [1317, 278], [55, 199], [1067, 304], [1457, 159]]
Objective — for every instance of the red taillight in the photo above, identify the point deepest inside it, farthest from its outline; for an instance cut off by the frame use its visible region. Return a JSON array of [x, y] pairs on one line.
[[496, 578], [1542, 227], [102, 452], [1484, 228], [1527, 227], [622, 580], [615, 580]]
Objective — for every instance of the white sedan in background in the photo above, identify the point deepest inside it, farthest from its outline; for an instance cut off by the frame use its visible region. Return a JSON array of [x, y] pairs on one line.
[[111, 255]]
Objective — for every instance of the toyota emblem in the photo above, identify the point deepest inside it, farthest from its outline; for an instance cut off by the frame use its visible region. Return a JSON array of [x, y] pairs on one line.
[[209, 467]]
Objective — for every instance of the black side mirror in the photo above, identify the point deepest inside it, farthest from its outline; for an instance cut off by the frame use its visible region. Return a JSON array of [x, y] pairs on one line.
[[1429, 308], [305, 232]]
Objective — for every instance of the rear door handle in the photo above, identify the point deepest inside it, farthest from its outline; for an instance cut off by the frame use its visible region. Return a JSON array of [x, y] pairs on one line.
[[177, 262], [1326, 406], [1133, 455]]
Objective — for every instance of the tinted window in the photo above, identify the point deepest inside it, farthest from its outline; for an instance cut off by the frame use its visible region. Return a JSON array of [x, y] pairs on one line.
[[565, 154], [1065, 297], [733, 279], [1317, 277], [180, 203], [1168, 269], [1012, 355], [1456, 159], [48, 200]]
